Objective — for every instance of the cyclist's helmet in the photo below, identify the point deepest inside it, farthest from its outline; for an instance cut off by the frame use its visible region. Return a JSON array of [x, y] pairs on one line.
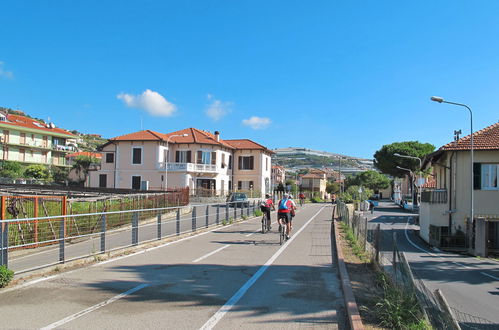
[[290, 196], [267, 196]]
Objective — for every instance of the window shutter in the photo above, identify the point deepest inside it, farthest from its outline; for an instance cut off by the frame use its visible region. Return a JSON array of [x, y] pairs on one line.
[[230, 161], [188, 157], [240, 162], [213, 158], [251, 162], [200, 157], [477, 176], [177, 156]]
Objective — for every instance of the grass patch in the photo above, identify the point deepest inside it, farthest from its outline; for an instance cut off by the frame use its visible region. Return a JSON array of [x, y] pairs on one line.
[[357, 249]]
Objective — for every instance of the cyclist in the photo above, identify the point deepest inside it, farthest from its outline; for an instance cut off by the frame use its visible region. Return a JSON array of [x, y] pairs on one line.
[[301, 196], [266, 206], [284, 213]]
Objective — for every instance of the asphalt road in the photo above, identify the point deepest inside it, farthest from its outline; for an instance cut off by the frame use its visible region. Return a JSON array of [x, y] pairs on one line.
[[230, 277], [470, 285]]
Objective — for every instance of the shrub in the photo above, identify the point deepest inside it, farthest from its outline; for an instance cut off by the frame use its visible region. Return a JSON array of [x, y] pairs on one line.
[[6, 276], [258, 213], [316, 200]]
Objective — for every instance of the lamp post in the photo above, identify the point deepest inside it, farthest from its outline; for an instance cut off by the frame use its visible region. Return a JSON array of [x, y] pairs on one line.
[[441, 100], [412, 188], [420, 166], [166, 157], [339, 177]]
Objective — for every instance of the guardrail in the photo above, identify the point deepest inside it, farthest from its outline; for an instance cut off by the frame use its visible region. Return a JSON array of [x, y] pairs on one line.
[[136, 227]]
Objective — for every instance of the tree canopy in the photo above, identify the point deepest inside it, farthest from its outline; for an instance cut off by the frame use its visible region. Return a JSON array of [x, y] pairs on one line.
[[370, 179], [37, 171], [10, 169], [387, 162]]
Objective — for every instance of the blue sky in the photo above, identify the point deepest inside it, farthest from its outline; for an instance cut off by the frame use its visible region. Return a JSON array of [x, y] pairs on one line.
[[339, 76]]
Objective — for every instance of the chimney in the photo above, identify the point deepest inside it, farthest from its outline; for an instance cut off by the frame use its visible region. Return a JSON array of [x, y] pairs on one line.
[[217, 136]]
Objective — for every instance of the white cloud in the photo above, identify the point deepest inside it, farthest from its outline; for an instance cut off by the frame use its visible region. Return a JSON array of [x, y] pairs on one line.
[[217, 109], [257, 122], [5, 73], [152, 102]]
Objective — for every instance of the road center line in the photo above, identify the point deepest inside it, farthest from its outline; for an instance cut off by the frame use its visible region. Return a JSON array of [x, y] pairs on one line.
[[93, 308], [211, 253], [238, 295]]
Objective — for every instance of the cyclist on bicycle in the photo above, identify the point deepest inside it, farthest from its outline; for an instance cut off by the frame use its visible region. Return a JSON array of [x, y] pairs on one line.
[[301, 196], [284, 213], [293, 209], [266, 206]]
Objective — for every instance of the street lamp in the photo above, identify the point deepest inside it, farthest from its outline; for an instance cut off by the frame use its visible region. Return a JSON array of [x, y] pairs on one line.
[[441, 100], [339, 177], [420, 166], [166, 157], [412, 188]]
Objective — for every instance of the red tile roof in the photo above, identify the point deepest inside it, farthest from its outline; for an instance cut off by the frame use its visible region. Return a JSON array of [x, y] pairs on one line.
[[84, 153], [16, 120], [485, 139], [247, 144], [194, 135]]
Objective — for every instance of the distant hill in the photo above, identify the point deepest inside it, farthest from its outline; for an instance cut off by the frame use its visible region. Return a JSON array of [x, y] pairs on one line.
[[298, 158]]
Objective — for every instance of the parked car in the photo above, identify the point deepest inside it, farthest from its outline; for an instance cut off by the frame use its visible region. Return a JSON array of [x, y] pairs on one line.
[[238, 200]]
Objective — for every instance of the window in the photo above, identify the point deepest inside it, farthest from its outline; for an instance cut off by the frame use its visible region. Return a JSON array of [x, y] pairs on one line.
[[136, 182], [137, 156], [266, 164], [223, 161], [489, 176], [230, 162], [246, 162], [183, 156], [204, 157], [244, 185], [109, 157], [23, 138], [103, 180]]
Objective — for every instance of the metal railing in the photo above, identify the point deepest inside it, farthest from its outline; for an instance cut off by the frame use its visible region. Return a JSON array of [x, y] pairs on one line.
[[94, 235]]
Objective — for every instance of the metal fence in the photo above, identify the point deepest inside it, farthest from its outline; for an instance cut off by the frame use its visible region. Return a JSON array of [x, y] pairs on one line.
[[75, 236], [394, 263]]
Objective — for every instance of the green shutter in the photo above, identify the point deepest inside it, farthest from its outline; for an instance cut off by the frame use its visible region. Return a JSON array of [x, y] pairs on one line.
[[477, 176]]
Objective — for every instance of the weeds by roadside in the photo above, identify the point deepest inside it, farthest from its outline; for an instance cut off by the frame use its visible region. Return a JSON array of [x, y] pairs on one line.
[[6, 276], [386, 304]]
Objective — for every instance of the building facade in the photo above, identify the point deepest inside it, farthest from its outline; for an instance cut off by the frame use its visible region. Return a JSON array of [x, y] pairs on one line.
[[445, 203], [30, 141], [190, 158]]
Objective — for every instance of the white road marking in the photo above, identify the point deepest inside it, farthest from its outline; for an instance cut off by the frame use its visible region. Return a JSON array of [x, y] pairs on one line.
[[211, 253], [235, 298], [491, 276], [256, 231], [437, 256], [93, 308]]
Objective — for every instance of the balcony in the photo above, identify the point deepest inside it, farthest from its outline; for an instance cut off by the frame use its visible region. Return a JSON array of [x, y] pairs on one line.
[[188, 167], [437, 196]]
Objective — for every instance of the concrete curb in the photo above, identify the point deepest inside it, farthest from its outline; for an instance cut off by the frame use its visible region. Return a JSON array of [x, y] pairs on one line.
[[350, 303]]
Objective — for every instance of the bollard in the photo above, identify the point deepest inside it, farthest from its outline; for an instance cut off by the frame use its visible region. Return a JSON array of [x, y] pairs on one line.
[[207, 215], [218, 214], [235, 211], [227, 213], [159, 225], [178, 221], [135, 228], [242, 209], [247, 209], [194, 218], [103, 234], [62, 240]]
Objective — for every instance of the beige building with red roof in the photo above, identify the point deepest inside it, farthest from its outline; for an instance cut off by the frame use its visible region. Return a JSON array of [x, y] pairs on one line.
[[190, 158], [445, 200], [30, 141]]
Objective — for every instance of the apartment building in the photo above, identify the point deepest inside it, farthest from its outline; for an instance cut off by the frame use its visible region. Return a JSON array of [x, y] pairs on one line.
[[190, 158], [278, 175], [30, 141]]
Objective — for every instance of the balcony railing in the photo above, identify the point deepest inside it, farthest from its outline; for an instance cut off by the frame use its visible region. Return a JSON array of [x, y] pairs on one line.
[[188, 167], [437, 196]]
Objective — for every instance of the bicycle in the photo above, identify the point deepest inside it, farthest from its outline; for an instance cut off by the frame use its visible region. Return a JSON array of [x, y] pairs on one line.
[[265, 223], [301, 201], [282, 232]]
